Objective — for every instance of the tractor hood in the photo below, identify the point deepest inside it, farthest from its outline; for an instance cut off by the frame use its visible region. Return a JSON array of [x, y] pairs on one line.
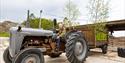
[[32, 32]]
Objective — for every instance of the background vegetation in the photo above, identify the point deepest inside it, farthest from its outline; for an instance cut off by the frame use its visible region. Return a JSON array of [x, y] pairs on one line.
[[4, 34], [98, 14], [46, 23], [100, 36]]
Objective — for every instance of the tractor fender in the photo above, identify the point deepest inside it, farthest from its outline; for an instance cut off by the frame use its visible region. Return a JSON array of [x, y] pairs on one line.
[[74, 32]]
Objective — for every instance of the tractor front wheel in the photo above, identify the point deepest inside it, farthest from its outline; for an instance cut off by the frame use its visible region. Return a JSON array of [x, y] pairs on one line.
[[6, 56], [29, 56]]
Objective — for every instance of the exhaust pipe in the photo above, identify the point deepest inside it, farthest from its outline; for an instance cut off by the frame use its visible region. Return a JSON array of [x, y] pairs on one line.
[[54, 25]]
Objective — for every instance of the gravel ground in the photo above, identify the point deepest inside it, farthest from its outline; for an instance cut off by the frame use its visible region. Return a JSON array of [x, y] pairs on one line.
[[95, 56]]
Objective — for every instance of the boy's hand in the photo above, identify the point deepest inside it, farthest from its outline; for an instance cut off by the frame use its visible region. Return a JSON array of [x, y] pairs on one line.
[[58, 36]]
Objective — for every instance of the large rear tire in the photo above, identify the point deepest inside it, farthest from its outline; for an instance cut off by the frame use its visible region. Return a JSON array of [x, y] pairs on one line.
[[6, 56], [29, 56], [76, 49]]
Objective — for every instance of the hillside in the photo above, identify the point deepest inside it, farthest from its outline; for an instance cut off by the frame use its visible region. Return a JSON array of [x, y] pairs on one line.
[[5, 26]]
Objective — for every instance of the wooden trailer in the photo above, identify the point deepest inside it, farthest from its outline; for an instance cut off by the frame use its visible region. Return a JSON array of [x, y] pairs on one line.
[[90, 36], [101, 39]]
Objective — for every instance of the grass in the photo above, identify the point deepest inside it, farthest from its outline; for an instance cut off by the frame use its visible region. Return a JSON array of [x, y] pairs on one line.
[[4, 34]]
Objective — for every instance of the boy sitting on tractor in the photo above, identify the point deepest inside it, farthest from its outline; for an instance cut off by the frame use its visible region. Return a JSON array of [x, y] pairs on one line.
[[60, 34]]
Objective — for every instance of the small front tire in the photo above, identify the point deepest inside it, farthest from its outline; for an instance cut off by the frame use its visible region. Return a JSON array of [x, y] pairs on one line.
[[6, 56], [32, 55]]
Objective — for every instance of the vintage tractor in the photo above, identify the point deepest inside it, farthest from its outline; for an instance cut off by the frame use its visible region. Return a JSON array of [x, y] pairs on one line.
[[29, 45]]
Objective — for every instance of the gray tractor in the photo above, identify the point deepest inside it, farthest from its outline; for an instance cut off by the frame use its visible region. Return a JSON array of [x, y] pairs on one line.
[[29, 45]]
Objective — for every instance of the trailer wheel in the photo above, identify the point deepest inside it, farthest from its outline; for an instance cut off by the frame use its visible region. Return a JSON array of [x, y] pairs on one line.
[[29, 56], [76, 49], [6, 56], [104, 48]]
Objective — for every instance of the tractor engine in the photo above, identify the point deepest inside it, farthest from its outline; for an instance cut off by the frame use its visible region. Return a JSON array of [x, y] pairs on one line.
[[38, 42]]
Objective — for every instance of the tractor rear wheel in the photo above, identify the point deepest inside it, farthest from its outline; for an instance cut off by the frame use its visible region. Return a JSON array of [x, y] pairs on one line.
[[29, 56], [76, 49]]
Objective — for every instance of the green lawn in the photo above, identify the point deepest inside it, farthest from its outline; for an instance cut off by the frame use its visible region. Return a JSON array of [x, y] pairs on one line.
[[4, 34]]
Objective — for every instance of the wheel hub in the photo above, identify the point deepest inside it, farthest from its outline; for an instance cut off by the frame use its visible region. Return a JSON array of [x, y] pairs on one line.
[[78, 48], [31, 59]]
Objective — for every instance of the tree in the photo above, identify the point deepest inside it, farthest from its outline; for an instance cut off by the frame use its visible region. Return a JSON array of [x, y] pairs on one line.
[[71, 12], [46, 23], [98, 14]]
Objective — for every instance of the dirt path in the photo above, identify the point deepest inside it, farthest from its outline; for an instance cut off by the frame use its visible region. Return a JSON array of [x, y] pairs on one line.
[[94, 57]]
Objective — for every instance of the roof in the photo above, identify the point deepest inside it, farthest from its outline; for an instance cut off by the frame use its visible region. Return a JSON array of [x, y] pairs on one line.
[[115, 25]]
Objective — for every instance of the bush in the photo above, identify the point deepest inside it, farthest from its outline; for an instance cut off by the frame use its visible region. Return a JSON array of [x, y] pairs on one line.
[[100, 36]]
